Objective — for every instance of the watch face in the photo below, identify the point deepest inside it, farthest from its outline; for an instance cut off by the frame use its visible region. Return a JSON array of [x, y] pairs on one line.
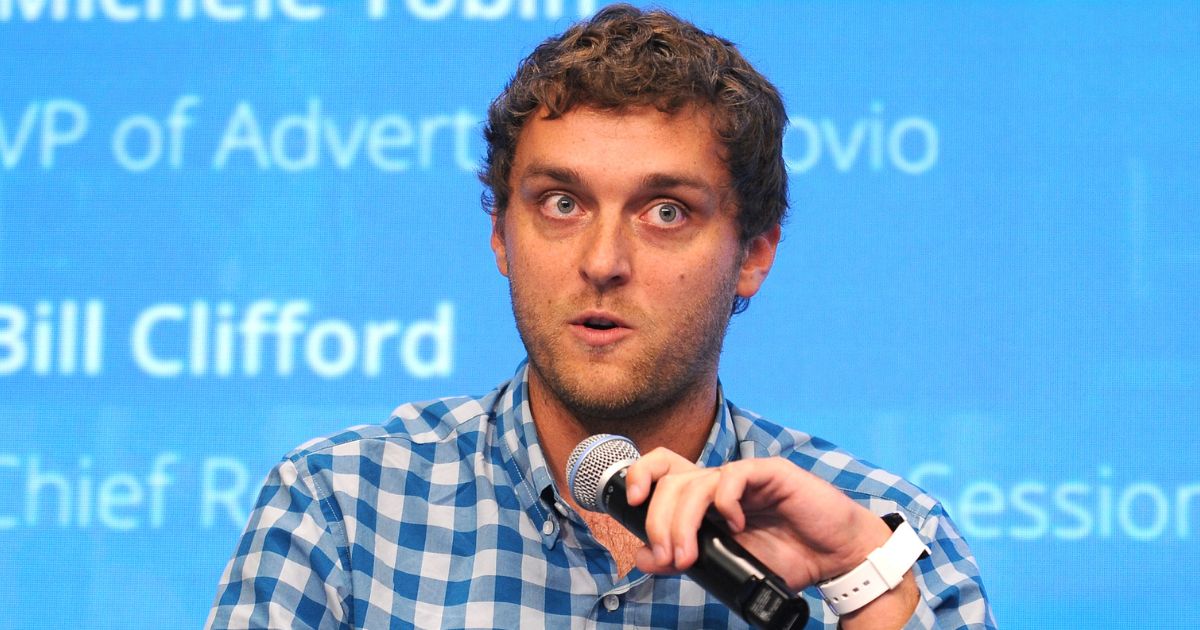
[[893, 520]]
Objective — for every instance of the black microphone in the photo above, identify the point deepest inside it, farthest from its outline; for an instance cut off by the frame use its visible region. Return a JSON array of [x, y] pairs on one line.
[[596, 474]]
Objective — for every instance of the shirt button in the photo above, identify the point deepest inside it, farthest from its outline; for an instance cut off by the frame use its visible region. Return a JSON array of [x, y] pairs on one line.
[[611, 602], [548, 527]]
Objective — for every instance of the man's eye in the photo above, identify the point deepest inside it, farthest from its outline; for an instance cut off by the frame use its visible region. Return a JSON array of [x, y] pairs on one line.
[[666, 214], [561, 204]]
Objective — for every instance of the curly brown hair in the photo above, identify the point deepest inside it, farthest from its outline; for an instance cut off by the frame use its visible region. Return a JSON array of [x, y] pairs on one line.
[[624, 57]]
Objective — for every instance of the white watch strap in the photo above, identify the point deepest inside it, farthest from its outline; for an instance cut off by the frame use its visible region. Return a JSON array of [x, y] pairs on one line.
[[883, 569]]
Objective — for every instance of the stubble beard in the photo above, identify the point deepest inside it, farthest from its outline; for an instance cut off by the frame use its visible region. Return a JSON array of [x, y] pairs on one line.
[[675, 358]]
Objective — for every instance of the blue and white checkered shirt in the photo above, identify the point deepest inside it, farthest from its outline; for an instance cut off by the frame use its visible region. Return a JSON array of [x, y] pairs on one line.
[[447, 517]]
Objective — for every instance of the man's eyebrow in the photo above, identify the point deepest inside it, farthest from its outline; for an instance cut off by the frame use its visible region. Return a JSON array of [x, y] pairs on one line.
[[557, 173], [668, 180], [653, 181]]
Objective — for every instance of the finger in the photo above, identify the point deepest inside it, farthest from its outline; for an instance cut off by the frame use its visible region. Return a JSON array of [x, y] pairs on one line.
[[691, 504], [660, 514], [650, 468], [659, 469], [645, 560], [727, 497]]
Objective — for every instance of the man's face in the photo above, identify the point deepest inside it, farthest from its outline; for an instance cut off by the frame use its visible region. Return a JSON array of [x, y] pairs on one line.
[[620, 243]]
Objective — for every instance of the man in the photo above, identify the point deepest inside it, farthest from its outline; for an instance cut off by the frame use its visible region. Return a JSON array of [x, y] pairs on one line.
[[637, 189]]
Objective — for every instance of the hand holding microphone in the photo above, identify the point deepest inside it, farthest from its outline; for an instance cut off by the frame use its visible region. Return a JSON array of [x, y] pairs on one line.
[[596, 473], [716, 524]]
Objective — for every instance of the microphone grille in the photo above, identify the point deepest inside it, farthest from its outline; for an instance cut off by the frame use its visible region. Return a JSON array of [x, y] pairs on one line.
[[588, 462]]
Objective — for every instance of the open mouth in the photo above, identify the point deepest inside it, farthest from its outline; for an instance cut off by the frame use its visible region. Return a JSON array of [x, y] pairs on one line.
[[597, 323], [599, 329]]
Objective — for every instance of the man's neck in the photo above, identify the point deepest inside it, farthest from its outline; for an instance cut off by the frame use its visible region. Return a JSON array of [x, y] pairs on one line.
[[682, 427]]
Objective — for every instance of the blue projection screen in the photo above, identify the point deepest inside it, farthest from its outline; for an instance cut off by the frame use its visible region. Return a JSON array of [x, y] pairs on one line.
[[989, 281]]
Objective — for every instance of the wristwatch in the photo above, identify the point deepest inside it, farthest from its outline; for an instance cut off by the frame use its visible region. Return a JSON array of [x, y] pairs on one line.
[[883, 569]]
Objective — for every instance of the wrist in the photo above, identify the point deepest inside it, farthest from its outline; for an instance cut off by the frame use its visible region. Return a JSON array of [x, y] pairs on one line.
[[869, 534], [885, 568], [892, 609]]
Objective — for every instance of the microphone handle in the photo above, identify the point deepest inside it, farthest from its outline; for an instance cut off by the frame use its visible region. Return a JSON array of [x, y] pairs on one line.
[[723, 568]]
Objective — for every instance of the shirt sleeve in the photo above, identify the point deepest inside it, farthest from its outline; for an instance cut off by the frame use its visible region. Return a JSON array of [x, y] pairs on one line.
[[952, 593], [289, 570]]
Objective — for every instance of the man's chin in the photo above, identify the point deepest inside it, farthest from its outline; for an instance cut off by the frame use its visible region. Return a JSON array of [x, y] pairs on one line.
[[605, 400], [610, 388]]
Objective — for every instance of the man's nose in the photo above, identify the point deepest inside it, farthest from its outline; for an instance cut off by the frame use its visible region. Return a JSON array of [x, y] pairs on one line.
[[605, 260]]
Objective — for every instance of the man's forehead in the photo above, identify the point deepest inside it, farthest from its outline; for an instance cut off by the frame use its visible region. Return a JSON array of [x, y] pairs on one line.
[[690, 128]]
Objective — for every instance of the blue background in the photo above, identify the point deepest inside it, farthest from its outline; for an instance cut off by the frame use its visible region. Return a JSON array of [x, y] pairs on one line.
[[1013, 324]]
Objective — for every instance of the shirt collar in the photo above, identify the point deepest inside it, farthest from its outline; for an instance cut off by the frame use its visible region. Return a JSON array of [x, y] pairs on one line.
[[523, 457], [722, 444]]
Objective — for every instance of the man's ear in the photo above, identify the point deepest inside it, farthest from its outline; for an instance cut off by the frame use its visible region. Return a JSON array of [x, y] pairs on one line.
[[498, 242], [760, 255]]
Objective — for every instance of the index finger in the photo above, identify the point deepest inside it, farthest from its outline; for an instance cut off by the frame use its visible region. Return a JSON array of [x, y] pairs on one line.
[[648, 469]]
